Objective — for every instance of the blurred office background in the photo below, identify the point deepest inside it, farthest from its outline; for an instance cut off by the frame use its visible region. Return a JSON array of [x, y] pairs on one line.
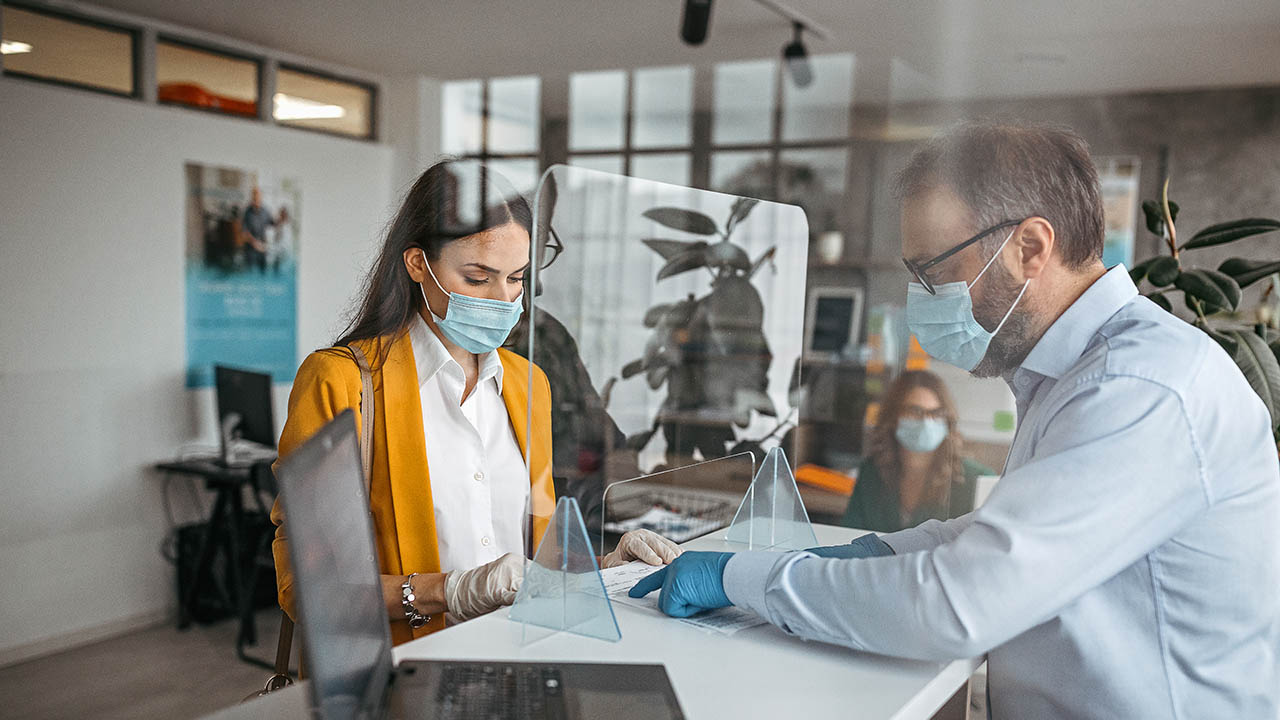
[[102, 104]]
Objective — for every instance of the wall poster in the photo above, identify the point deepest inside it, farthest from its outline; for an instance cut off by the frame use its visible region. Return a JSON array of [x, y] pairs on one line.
[[1118, 177], [241, 272]]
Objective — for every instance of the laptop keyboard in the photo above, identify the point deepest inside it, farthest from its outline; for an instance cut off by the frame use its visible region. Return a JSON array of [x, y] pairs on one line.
[[500, 692]]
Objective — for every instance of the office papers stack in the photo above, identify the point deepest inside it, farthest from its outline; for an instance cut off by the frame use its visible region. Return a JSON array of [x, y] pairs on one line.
[[724, 621]]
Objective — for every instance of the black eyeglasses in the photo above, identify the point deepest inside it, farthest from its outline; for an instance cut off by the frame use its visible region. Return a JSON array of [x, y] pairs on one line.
[[551, 250], [921, 270]]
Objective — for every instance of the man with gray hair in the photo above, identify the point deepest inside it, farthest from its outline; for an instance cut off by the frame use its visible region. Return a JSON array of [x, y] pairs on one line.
[[1127, 564]]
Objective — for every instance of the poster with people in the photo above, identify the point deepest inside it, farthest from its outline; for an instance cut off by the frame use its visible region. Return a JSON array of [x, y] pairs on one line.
[[241, 284]]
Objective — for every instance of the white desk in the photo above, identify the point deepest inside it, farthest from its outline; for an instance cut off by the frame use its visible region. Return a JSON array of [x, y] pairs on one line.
[[760, 672]]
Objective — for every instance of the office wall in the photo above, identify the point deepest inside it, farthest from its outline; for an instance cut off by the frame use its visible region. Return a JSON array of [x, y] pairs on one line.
[[92, 346]]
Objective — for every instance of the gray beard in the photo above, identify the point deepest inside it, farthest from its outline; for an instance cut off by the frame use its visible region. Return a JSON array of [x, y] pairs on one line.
[[1010, 346]]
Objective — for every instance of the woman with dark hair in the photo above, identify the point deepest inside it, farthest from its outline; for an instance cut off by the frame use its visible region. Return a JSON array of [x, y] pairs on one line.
[[915, 468], [449, 491]]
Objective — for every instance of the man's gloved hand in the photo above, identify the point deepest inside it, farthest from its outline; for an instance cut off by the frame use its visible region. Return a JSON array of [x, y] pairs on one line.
[[869, 545], [643, 545], [472, 593], [692, 583]]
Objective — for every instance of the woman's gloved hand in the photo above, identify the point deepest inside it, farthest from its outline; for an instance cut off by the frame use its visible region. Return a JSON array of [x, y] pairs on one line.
[[643, 545], [472, 593]]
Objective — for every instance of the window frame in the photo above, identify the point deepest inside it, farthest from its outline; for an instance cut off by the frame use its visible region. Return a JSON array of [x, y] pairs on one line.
[[135, 51], [182, 42], [372, 89]]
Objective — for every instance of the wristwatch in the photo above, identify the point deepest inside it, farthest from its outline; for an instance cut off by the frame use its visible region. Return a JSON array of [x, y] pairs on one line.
[[415, 618]]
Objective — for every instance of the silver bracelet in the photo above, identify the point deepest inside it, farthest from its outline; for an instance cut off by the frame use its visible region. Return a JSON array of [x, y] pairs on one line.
[[415, 618]]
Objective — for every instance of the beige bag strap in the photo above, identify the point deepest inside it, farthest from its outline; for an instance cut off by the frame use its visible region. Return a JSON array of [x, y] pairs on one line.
[[366, 416]]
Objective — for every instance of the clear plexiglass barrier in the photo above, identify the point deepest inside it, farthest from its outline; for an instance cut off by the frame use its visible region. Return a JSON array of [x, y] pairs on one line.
[[772, 515], [669, 324]]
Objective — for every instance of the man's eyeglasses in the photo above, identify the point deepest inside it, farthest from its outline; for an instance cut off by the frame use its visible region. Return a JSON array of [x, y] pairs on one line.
[[921, 270], [551, 250]]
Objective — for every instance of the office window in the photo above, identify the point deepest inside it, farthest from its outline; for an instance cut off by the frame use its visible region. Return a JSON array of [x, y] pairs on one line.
[[662, 107], [206, 79], [56, 48], [597, 108], [462, 109], [611, 163], [513, 114], [821, 110], [743, 102], [664, 167], [318, 102], [520, 172], [742, 172]]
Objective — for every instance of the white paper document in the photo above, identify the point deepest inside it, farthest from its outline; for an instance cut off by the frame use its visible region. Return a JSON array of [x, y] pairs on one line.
[[725, 621]]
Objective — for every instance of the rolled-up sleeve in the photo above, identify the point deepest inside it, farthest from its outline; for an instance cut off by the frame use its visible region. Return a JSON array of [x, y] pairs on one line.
[[1085, 507]]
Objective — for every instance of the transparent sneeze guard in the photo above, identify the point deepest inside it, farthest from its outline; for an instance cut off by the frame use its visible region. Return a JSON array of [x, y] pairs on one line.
[[772, 515], [665, 328]]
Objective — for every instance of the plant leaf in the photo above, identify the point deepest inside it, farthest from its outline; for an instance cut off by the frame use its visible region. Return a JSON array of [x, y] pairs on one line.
[[1159, 299], [760, 261], [689, 221], [1228, 343], [726, 253], [1198, 284], [1155, 215], [741, 208], [633, 368], [671, 248], [1138, 272], [1260, 368], [1247, 272], [1163, 271], [639, 440], [655, 313], [1227, 285], [684, 262], [1230, 231]]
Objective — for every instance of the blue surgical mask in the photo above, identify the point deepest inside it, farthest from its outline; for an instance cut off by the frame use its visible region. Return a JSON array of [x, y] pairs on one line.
[[921, 435], [477, 325], [944, 322]]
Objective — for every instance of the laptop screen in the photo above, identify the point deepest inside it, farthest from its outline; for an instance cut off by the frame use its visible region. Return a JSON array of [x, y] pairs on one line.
[[346, 641]]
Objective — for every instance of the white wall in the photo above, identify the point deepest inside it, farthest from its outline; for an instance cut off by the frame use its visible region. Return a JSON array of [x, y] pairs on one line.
[[92, 344]]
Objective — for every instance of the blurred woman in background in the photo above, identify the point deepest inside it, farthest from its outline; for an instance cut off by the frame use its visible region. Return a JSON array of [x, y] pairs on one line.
[[915, 468]]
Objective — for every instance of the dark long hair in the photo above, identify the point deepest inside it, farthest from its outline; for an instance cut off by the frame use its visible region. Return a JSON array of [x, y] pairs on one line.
[[450, 200], [947, 466]]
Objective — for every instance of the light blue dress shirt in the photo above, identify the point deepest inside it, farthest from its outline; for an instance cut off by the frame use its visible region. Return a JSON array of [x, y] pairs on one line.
[[1127, 565]]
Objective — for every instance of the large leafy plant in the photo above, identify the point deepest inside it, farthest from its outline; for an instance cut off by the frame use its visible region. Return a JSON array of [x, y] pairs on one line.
[[1213, 296], [709, 351]]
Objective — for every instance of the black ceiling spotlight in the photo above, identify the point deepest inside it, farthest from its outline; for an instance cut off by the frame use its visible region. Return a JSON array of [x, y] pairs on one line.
[[796, 57], [695, 21]]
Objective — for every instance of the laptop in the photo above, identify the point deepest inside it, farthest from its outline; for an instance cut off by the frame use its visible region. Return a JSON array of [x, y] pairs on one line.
[[347, 642]]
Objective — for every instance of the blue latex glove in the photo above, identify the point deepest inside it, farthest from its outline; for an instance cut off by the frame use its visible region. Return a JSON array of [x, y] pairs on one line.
[[869, 545], [692, 583]]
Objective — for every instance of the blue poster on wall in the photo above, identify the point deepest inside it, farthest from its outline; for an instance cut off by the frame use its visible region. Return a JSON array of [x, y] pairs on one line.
[[242, 280]]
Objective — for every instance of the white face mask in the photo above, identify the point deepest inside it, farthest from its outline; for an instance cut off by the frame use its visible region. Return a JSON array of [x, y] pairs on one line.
[[944, 322]]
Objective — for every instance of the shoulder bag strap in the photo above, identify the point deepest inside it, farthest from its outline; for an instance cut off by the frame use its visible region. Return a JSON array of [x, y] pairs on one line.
[[366, 416]]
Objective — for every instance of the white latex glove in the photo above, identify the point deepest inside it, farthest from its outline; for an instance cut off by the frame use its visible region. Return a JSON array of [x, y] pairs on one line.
[[645, 545], [472, 593]]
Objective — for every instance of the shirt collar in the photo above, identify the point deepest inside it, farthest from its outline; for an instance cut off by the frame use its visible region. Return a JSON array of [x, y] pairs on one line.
[[1068, 337], [431, 356]]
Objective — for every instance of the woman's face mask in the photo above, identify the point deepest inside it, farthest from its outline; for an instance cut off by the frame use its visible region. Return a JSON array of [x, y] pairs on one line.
[[921, 435], [477, 325]]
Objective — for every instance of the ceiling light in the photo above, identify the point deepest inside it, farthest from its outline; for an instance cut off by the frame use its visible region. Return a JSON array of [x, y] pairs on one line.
[[13, 47], [289, 107], [796, 56], [695, 21]]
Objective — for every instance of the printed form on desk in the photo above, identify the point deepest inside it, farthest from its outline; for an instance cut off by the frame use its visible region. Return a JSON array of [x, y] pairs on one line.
[[725, 621]]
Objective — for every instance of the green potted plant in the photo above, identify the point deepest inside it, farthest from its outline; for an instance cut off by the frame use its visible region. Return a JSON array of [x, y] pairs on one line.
[[1213, 296]]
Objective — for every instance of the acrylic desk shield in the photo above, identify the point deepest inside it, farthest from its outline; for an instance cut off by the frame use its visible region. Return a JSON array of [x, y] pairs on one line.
[[562, 589], [772, 515], [668, 321]]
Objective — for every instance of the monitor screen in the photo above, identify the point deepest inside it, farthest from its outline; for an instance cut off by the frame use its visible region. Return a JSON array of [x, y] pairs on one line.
[[346, 641], [832, 323], [248, 395]]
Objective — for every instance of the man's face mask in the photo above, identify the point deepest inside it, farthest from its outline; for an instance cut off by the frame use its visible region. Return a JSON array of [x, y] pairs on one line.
[[943, 320]]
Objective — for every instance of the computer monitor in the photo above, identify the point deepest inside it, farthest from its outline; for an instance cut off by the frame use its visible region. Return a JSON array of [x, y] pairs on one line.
[[244, 407]]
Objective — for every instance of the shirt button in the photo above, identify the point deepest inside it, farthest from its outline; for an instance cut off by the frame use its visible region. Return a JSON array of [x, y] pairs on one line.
[[479, 476], [485, 541]]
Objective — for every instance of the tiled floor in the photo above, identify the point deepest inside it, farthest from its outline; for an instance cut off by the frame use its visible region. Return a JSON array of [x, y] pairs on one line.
[[160, 673]]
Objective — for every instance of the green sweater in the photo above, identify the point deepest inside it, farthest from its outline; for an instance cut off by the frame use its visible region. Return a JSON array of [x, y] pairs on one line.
[[874, 505]]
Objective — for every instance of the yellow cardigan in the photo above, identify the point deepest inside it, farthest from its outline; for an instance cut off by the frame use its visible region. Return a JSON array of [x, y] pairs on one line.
[[400, 494]]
